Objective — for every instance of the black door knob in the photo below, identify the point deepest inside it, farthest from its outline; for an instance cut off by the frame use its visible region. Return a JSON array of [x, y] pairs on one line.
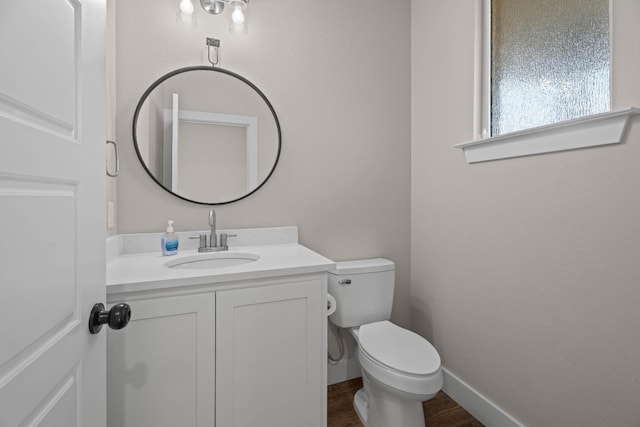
[[117, 318]]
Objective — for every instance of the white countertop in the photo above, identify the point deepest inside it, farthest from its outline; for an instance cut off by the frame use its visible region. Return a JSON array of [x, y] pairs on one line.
[[147, 271]]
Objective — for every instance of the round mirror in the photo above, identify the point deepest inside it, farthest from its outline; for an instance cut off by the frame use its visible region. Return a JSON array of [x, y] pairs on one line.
[[206, 135]]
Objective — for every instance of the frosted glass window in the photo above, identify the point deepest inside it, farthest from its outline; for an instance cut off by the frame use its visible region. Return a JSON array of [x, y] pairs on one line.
[[549, 62]]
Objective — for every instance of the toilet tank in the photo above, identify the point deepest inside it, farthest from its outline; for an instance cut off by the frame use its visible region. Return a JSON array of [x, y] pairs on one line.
[[363, 290]]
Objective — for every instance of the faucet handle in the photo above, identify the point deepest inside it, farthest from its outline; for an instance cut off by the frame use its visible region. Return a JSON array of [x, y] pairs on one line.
[[203, 239], [223, 239]]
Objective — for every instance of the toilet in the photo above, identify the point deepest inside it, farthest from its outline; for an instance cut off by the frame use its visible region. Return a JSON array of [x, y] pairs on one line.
[[400, 369]]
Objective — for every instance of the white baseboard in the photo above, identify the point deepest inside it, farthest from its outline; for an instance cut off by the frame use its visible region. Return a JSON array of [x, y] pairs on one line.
[[345, 370], [476, 404]]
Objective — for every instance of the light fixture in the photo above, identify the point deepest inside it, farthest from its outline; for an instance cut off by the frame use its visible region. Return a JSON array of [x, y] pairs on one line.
[[238, 23], [186, 13]]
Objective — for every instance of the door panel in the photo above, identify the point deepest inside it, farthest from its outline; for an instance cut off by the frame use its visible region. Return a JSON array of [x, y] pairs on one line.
[[62, 407], [29, 393], [57, 300], [48, 59]]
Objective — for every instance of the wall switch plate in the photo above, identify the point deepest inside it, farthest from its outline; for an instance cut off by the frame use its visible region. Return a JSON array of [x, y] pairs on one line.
[[110, 215]]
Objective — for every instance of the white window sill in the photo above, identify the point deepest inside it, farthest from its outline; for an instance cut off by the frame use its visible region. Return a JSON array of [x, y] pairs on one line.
[[599, 129]]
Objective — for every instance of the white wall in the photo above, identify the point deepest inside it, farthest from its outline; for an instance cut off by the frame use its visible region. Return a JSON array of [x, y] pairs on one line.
[[525, 272], [338, 76]]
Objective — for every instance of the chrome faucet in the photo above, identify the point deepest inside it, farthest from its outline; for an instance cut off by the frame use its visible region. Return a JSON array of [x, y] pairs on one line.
[[213, 237]]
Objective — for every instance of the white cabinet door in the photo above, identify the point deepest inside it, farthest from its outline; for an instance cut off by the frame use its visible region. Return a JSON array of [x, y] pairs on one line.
[[52, 206], [271, 350], [160, 369]]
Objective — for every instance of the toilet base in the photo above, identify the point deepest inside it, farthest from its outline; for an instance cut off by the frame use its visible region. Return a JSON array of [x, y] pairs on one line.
[[361, 405], [378, 407]]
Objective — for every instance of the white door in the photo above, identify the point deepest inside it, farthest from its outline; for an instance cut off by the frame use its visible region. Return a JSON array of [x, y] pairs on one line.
[[52, 212]]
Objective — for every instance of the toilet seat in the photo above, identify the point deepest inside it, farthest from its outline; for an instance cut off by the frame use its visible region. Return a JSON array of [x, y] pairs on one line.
[[398, 349], [399, 358]]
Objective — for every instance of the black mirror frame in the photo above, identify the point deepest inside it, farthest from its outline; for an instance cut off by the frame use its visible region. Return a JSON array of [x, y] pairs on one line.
[[204, 68]]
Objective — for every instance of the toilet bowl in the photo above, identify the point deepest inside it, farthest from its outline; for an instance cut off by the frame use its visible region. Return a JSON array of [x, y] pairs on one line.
[[400, 369]]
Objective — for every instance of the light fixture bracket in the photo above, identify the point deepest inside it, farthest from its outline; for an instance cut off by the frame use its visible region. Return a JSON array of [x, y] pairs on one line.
[[215, 7], [215, 44]]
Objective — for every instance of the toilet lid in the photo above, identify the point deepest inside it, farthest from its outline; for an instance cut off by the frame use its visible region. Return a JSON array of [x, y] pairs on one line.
[[399, 348]]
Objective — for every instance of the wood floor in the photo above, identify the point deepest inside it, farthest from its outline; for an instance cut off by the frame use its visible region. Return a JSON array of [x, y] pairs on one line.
[[441, 411]]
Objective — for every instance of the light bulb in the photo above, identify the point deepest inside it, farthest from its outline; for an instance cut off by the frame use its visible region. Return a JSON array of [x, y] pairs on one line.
[[237, 16], [238, 21], [186, 7], [186, 15]]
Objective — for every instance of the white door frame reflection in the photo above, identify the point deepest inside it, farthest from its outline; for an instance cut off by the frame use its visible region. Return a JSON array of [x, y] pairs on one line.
[[179, 160]]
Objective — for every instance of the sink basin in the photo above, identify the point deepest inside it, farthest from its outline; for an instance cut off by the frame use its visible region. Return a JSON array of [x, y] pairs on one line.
[[212, 260]]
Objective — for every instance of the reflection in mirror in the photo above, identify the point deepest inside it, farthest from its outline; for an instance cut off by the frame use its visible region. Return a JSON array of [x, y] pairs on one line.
[[206, 135]]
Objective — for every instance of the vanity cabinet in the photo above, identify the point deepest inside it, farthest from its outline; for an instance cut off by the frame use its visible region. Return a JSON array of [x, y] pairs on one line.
[[270, 356], [160, 369], [243, 354]]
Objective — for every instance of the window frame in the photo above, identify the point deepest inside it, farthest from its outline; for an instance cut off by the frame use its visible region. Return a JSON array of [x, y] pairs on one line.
[[484, 68], [588, 131]]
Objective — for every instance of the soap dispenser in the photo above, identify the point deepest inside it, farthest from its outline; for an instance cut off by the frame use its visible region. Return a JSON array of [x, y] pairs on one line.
[[169, 241]]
